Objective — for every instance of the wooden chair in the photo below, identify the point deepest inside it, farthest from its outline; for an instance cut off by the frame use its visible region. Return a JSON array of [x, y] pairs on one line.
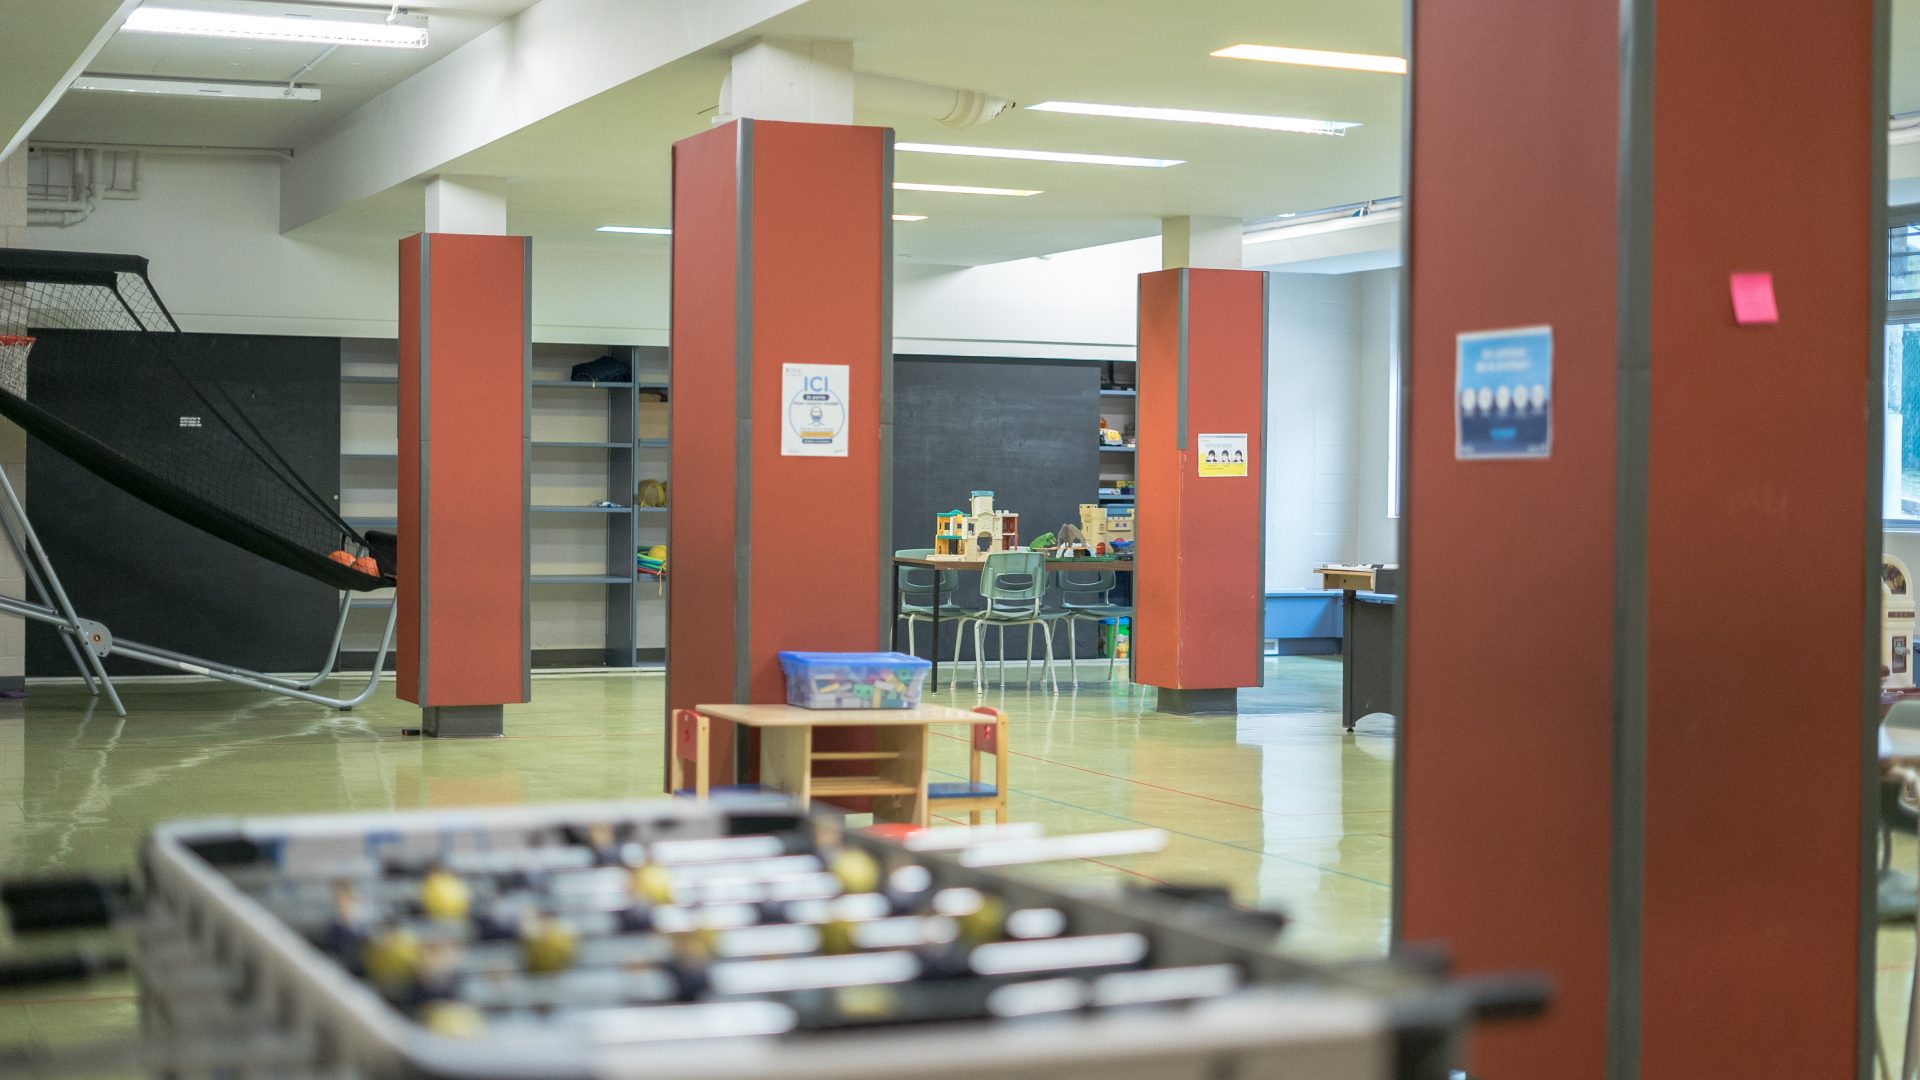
[[687, 760], [687, 751], [973, 795]]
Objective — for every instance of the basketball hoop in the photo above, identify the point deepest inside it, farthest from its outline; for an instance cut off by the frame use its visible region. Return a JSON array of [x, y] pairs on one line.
[[13, 363]]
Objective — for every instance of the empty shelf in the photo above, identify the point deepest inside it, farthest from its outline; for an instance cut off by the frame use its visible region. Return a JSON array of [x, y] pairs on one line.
[[840, 786]]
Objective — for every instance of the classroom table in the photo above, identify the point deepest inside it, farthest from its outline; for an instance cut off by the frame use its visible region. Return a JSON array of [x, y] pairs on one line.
[[1901, 743], [974, 563], [898, 785], [1366, 636]]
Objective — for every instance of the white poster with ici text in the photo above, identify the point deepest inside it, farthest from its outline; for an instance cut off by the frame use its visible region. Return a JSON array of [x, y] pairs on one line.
[[814, 422]]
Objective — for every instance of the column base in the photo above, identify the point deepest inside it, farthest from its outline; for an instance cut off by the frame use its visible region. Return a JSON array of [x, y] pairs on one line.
[[1192, 702], [463, 721]]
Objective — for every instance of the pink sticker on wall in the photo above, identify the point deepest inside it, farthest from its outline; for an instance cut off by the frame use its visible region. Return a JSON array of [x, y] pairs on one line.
[[1753, 302]]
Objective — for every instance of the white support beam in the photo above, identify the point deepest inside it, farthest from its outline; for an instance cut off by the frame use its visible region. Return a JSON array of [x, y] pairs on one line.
[[1200, 242], [553, 55], [476, 205], [783, 79], [43, 47]]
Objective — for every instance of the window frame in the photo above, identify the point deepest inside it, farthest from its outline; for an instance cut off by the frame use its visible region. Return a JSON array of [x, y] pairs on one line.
[[1900, 312]]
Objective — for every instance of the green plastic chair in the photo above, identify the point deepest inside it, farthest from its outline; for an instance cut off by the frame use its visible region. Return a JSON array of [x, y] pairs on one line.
[[918, 586], [1087, 596], [1014, 585]]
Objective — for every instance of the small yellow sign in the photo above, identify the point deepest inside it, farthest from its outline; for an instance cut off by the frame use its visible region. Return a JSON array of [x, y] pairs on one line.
[[1221, 455]]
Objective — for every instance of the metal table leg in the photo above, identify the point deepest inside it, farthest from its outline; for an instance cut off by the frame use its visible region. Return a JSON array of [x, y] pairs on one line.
[[894, 631], [1347, 718], [937, 605]]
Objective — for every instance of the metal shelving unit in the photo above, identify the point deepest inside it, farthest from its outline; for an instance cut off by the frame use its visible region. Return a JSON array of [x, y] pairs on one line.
[[635, 617], [1117, 463]]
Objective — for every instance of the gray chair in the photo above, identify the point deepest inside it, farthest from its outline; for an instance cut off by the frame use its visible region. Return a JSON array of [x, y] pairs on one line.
[[1014, 585], [1087, 596], [918, 589]]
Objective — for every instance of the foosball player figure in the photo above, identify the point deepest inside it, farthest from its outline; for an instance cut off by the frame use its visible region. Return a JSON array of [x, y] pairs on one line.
[[443, 896], [347, 930], [546, 944]]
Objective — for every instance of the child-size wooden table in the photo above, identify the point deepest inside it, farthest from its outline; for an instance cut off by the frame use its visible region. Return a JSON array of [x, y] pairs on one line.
[[898, 783]]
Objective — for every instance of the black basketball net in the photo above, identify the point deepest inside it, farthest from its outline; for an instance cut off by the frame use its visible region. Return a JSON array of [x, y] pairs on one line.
[[180, 425]]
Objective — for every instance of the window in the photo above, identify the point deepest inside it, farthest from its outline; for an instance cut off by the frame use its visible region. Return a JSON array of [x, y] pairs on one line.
[[1901, 500]]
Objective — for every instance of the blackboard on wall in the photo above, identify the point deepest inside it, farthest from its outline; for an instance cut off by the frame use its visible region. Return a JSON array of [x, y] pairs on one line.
[[151, 577], [1027, 430]]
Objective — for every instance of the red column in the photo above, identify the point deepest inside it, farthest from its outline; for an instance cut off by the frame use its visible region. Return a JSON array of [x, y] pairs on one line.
[[1200, 590], [1762, 538], [1635, 739], [463, 648], [781, 255]]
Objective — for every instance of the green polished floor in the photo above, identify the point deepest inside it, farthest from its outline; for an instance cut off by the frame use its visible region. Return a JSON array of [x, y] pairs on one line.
[[1276, 803]]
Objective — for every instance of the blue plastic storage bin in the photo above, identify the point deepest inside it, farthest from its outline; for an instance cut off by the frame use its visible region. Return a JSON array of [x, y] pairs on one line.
[[831, 680]]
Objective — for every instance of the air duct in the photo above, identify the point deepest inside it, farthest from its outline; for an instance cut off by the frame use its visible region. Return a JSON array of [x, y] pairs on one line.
[[950, 105]]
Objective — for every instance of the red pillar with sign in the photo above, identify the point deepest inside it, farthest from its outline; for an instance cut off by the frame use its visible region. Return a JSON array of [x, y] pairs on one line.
[[1199, 592], [782, 356], [1636, 748]]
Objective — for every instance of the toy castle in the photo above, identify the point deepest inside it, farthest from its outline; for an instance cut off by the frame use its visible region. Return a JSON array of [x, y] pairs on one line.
[[982, 531]]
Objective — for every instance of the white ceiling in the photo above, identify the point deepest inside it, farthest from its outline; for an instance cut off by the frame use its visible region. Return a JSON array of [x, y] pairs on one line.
[[606, 160], [347, 79]]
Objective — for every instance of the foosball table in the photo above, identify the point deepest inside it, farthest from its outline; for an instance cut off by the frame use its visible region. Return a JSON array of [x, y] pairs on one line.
[[724, 940]]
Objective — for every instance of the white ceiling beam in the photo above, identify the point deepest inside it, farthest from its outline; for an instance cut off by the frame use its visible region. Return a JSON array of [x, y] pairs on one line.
[[553, 55], [43, 48]]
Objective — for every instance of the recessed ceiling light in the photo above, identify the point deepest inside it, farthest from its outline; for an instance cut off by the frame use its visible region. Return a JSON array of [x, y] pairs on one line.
[[1036, 155], [909, 217], [962, 189], [281, 22], [195, 89], [643, 230], [1281, 54], [1199, 116]]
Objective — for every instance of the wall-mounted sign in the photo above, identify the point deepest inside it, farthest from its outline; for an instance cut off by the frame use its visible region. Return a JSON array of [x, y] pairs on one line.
[[1221, 455], [815, 421], [1503, 393]]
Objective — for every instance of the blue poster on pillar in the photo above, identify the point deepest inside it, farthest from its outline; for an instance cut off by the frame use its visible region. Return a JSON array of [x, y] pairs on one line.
[[1503, 393]]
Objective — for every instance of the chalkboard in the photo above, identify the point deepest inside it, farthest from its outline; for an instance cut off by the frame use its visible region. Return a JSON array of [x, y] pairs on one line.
[[151, 577], [1027, 430]]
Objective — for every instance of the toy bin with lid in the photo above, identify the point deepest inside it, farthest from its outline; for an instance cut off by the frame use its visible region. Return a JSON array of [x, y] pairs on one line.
[[826, 680]]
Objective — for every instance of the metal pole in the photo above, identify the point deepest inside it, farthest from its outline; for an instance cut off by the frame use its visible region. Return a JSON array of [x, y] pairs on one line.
[[57, 591], [40, 588]]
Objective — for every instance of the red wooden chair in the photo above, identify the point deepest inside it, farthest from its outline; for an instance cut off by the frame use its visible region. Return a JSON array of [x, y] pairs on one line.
[[973, 794]]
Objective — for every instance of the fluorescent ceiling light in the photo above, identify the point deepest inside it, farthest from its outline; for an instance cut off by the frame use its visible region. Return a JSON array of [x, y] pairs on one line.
[[1199, 116], [1280, 54], [191, 88], [1037, 155], [280, 22], [909, 217], [643, 230], [962, 189]]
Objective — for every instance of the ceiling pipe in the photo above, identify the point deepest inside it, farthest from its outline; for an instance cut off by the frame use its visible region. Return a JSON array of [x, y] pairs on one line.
[[950, 105]]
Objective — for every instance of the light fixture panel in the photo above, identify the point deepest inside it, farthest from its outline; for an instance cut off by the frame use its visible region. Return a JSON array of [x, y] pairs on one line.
[[129, 84], [1036, 155], [639, 230], [965, 189], [1297, 124], [279, 22], [1282, 54]]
